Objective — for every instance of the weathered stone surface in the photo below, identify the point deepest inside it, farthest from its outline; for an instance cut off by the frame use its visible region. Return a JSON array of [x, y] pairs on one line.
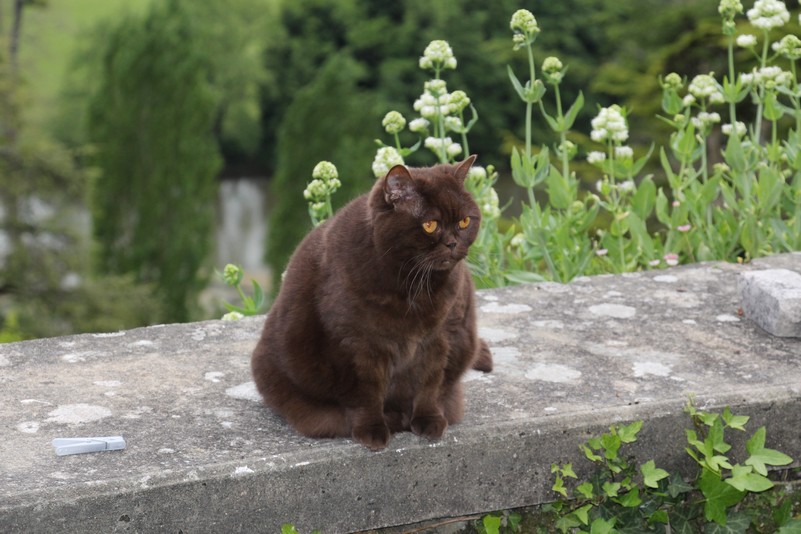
[[772, 299], [204, 455]]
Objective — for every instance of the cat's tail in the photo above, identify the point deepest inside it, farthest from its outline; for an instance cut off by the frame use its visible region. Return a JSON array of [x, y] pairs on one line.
[[483, 361]]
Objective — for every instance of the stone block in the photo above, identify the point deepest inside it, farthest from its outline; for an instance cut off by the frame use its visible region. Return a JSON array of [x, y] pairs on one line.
[[772, 299]]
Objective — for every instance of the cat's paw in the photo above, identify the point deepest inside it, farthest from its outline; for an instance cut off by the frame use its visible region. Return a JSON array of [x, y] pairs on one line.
[[429, 426], [374, 436]]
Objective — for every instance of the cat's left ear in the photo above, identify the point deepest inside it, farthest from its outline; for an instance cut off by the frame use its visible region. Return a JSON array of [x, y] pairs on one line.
[[399, 189], [464, 167]]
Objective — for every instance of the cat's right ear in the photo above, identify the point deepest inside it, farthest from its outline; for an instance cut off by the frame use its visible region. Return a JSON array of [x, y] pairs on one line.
[[399, 189]]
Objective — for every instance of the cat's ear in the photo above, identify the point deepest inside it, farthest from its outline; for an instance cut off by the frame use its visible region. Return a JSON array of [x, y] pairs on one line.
[[464, 167], [399, 189]]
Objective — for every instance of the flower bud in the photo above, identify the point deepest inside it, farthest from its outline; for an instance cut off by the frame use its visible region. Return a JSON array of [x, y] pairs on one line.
[[393, 122], [232, 274]]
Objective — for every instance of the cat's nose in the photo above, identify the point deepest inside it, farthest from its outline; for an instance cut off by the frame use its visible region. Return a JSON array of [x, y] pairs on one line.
[[451, 245]]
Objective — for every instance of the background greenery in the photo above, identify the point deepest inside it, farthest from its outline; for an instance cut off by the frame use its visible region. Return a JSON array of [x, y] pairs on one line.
[[133, 109]]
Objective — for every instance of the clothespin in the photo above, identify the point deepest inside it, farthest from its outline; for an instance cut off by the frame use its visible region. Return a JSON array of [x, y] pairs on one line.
[[65, 446]]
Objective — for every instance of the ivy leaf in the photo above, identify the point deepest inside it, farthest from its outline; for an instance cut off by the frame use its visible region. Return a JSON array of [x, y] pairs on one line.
[[582, 514], [719, 496], [567, 470], [591, 456], [736, 422], [677, 486], [744, 479], [793, 527], [628, 433], [630, 499], [559, 486], [611, 489], [736, 523], [492, 524], [652, 474], [761, 456], [586, 490], [602, 526]]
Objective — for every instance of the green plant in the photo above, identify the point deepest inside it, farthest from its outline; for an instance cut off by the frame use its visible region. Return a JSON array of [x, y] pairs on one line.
[[232, 275], [624, 496], [288, 528]]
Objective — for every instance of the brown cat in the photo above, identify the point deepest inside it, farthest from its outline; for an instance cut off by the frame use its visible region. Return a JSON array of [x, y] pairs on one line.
[[375, 322]]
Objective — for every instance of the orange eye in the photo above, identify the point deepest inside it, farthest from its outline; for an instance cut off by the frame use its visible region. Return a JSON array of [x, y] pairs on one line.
[[430, 226], [464, 223]]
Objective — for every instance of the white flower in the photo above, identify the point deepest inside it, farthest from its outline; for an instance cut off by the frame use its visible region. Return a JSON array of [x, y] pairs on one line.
[[628, 185], [325, 171], [454, 124], [624, 152], [771, 76], [609, 124], [767, 14], [596, 157], [454, 149], [438, 54], [705, 86], [518, 240], [489, 204], [739, 128], [419, 125], [747, 78], [385, 158], [789, 46], [746, 40], [688, 101], [457, 101], [729, 8], [232, 316], [477, 173]]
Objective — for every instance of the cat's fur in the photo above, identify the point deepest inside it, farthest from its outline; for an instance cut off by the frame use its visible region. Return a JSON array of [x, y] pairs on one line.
[[375, 322]]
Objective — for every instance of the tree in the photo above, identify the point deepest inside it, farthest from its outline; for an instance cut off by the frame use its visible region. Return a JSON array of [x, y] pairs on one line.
[[151, 122], [330, 119]]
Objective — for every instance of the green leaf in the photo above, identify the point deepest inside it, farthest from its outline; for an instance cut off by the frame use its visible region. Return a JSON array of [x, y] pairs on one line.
[[572, 113], [560, 195], [586, 490], [591, 456], [642, 203], [611, 444], [516, 84], [567, 470], [582, 513], [743, 478], [793, 527], [659, 516], [559, 486], [523, 277], [288, 529], [492, 524], [628, 433], [630, 499], [717, 437], [677, 486], [761, 456], [736, 523], [734, 155], [603, 526], [652, 474], [719, 496], [611, 489]]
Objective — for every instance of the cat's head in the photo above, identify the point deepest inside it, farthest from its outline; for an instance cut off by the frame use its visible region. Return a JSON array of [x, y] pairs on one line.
[[425, 215]]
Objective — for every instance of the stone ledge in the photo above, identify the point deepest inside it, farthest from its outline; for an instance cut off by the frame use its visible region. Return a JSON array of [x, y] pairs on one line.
[[204, 456], [772, 299]]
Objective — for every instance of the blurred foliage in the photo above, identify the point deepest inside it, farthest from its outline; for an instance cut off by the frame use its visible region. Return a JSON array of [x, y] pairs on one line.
[[615, 52], [174, 86], [45, 285], [156, 106]]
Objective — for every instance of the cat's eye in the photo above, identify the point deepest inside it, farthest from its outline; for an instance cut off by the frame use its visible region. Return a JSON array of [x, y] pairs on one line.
[[430, 226], [464, 223]]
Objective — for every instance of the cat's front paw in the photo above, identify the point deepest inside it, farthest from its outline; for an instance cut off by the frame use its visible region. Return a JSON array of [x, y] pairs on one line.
[[375, 436], [429, 426]]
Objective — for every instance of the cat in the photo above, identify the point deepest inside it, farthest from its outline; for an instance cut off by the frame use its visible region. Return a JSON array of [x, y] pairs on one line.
[[375, 322]]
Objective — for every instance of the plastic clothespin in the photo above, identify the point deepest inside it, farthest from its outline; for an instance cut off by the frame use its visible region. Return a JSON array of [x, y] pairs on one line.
[[65, 446]]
